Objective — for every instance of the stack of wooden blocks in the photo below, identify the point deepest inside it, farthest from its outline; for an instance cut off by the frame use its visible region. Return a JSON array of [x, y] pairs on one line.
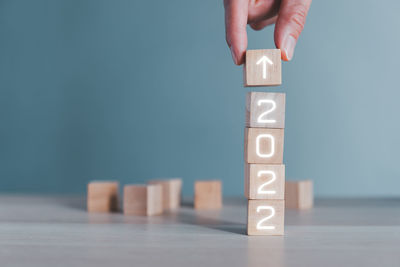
[[264, 137], [148, 199]]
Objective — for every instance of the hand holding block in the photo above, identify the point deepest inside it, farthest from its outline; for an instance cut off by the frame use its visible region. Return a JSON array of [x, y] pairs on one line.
[[102, 196], [299, 194], [263, 146], [171, 192], [264, 181], [208, 195], [143, 200], [265, 217], [263, 67], [266, 110]]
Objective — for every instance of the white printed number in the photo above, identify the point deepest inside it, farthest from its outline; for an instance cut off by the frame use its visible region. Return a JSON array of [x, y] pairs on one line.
[[258, 146], [259, 224], [261, 188], [262, 118]]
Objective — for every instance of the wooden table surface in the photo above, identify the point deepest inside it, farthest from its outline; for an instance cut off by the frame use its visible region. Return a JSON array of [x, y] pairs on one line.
[[57, 231]]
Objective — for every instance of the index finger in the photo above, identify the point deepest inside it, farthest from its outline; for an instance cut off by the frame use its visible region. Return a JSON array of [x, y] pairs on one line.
[[236, 14]]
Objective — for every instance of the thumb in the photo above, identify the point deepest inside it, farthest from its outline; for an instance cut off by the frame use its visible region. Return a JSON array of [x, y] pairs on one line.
[[291, 19]]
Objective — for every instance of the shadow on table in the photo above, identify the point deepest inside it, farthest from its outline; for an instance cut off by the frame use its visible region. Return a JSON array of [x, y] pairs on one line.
[[212, 223], [211, 219]]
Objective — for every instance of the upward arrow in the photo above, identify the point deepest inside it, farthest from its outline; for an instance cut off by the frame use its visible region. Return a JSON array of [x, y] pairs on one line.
[[264, 60]]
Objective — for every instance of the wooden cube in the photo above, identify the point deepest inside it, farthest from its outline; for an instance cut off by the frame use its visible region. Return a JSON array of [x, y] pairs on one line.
[[171, 192], [264, 181], [208, 195], [143, 199], [263, 67], [265, 217], [265, 110], [264, 146], [299, 194], [102, 196]]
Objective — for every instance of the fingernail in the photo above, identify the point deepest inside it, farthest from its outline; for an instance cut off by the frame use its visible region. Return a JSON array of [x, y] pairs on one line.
[[288, 47], [233, 55]]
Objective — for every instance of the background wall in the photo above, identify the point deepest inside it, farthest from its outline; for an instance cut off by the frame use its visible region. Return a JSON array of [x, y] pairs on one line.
[[133, 90]]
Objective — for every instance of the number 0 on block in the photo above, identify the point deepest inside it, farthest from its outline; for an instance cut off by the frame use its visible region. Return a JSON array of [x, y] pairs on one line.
[[264, 145]]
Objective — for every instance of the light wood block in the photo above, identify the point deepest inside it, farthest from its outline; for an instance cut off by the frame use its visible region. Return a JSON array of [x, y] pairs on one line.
[[208, 195], [264, 181], [143, 199], [299, 194], [264, 146], [171, 192], [265, 217], [263, 67], [265, 110], [102, 196]]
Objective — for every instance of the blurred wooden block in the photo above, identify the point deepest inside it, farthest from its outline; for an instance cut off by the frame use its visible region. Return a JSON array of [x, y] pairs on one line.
[[264, 181], [171, 192], [299, 194], [143, 199], [264, 146], [102, 196], [265, 217], [265, 110], [263, 67], [208, 195]]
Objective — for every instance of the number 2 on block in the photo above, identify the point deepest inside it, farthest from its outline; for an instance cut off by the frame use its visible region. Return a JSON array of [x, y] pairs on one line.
[[261, 189], [259, 224], [262, 117]]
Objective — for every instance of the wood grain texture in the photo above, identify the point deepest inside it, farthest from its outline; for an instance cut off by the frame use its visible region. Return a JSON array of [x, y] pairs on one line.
[[253, 72], [171, 192], [143, 200], [270, 145], [256, 177], [299, 194], [102, 196], [265, 110], [208, 195], [257, 213]]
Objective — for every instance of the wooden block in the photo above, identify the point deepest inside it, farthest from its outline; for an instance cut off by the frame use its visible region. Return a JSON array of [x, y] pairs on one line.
[[102, 196], [171, 192], [263, 67], [265, 110], [264, 146], [299, 194], [265, 217], [208, 195], [143, 199], [264, 181]]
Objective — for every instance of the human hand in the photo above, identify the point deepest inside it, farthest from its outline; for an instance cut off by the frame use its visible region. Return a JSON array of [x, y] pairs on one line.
[[289, 16]]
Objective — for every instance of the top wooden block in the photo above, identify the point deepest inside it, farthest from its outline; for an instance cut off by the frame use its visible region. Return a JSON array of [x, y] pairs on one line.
[[263, 67]]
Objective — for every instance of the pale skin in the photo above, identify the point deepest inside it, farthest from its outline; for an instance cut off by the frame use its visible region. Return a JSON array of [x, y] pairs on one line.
[[289, 17]]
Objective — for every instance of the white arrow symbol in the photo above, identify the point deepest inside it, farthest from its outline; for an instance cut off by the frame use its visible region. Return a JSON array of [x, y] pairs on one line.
[[264, 60]]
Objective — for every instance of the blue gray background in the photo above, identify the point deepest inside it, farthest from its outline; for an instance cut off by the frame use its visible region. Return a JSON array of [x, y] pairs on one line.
[[132, 90]]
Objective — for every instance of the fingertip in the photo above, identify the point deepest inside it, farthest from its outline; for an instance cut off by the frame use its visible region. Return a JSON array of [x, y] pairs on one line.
[[288, 46], [237, 55]]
